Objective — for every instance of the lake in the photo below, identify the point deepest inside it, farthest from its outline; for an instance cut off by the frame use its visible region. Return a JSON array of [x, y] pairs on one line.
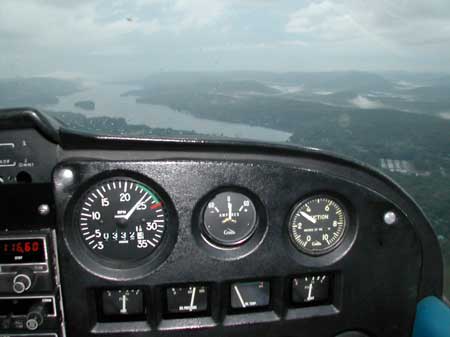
[[109, 102]]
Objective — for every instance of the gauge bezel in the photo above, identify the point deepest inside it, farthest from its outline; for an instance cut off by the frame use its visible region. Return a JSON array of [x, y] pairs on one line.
[[79, 204], [339, 201], [209, 236], [119, 269], [246, 246]]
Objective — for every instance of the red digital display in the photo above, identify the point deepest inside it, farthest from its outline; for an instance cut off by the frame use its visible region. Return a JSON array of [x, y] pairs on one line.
[[16, 251]]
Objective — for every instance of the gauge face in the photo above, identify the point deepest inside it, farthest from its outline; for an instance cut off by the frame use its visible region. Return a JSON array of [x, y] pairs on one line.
[[229, 218], [187, 299], [311, 289], [317, 225], [248, 295], [121, 219]]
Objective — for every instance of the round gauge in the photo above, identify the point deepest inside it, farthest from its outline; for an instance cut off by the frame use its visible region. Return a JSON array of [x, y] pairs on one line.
[[317, 225], [121, 219], [229, 218]]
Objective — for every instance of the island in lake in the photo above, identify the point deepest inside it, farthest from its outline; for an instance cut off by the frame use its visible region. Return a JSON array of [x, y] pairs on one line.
[[85, 105]]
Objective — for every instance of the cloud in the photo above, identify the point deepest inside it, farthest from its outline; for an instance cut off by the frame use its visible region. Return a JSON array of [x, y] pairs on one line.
[[43, 24], [120, 36], [64, 75], [197, 13], [51, 23], [114, 51], [292, 43], [413, 22], [179, 15], [254, 46], [326, 20], [365, 103]]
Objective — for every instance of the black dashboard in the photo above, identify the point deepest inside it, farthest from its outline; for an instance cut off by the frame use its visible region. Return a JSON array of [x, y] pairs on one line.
[[108, 236]]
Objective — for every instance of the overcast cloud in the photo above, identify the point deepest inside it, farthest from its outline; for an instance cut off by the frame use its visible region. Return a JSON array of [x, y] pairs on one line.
[[127, 39]]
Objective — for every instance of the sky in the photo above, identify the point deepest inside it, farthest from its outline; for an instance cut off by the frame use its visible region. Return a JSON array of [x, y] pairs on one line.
[[120, 39]]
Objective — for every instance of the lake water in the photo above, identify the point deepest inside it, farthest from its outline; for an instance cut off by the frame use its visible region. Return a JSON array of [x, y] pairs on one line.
[[109, 102]]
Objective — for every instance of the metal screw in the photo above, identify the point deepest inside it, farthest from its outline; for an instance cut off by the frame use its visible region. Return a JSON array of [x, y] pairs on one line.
[[44, 209], [390, 218], [67, 174], [64, 177]]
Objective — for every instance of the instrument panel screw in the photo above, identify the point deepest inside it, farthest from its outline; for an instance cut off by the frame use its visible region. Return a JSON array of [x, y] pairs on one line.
[[44, 209], [390, 218], [64, 177]]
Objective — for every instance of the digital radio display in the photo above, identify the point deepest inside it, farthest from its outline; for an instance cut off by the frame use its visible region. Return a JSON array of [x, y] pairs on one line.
[[17, 251]]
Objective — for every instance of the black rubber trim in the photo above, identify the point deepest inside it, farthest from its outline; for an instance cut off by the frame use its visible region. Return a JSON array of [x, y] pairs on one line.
[[20, 118]]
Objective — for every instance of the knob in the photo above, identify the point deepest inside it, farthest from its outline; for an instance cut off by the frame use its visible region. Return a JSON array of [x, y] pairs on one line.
[[35, 317], [22, 282]]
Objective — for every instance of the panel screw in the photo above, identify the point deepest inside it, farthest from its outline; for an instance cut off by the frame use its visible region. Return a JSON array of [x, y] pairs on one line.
[[64, 177], [44, 209], [390, 218]]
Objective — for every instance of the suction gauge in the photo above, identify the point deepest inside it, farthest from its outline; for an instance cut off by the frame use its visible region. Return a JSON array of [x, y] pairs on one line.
[[317, 225]]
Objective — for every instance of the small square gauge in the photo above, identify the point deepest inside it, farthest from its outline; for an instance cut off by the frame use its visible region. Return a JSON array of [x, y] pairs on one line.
[[250, 295], [125, 303], [186, 300], [311, 289]]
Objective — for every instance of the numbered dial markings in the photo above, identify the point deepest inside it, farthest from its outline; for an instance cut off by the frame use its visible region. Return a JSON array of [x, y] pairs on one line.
[[229, 218], [317, 225], [311, 289], [121, 219]]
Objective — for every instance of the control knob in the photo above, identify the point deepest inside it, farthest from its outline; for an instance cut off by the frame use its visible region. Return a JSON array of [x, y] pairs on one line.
[[35, 317], [22, 282]]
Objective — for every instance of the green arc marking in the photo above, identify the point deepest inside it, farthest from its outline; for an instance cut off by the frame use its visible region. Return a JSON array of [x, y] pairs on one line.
[[146, 189]]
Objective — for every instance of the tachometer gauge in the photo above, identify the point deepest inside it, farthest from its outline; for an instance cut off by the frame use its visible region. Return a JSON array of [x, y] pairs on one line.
[[121, 219], [317, 225]]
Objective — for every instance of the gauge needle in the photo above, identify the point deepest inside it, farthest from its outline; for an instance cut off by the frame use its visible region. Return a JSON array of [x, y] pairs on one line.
[[308, 217], [131, 211], [124, 300], [310, 297], [191, 306], [238, 293], [230, 211]]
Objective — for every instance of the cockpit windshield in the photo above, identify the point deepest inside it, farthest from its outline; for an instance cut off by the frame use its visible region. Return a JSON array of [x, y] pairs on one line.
[[369, 80]]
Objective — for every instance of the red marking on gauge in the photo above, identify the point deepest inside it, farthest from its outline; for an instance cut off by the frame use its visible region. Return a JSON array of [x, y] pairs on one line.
[[155, 205]]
